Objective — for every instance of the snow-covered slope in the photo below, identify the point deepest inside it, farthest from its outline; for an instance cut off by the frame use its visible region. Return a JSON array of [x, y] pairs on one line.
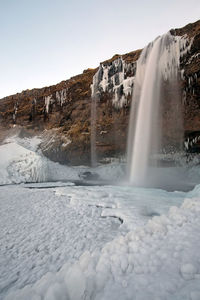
[[19, 164], [22, 161]]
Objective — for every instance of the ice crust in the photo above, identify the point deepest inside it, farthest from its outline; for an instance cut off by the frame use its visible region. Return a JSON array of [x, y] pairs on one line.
[[159, 259]]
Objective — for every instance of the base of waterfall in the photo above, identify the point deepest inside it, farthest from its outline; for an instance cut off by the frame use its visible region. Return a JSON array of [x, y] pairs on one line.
[[80, 233]]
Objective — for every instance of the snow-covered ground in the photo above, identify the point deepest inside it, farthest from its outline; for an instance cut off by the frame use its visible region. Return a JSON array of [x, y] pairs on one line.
[[59, 240]]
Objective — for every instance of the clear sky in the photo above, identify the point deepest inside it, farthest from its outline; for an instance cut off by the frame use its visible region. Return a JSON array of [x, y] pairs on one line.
[[46, 41]]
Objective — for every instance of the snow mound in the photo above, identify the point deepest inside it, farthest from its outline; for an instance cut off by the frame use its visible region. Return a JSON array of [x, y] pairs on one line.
[[20, 165], [31, 143]]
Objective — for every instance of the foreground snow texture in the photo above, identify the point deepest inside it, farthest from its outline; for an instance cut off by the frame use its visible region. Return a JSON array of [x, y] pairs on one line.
[[67, 243], [60, 241]]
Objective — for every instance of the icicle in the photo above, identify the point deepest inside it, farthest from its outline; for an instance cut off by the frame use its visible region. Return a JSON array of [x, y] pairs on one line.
[[111, 78], [48, 100]]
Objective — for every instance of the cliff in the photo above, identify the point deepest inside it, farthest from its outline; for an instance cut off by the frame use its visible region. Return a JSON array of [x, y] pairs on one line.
[[62, 113]]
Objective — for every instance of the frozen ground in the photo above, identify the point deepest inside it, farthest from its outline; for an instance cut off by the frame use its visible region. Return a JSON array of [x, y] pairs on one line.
[[40, 231], [61, 241]]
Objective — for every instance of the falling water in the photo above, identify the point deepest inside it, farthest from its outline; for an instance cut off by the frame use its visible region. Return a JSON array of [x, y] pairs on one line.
[[158, 63], [93, 131], [93, 123]]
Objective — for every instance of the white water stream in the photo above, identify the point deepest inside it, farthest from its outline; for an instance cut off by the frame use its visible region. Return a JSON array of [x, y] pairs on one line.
[[158, 63]]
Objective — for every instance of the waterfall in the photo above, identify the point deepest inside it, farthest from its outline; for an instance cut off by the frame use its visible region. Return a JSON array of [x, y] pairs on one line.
[[93, 131], [158, 65], [93, 122]]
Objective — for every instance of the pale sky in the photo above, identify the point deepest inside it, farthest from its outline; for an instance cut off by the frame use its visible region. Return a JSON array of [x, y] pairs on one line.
[[46, 41]]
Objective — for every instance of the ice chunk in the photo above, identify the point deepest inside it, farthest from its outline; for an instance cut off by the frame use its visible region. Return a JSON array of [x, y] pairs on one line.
[[56, 291], [188, 271], [75, 283]]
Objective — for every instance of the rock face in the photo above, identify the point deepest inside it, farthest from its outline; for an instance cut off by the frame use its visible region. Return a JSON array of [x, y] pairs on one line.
[[62, 113]]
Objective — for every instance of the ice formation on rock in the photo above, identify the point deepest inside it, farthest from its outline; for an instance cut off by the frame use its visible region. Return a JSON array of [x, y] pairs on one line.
[[116, 78], [48, 100], [61, 96]]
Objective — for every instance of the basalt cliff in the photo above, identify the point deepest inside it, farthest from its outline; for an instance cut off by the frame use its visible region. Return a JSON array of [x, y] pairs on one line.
[[61, 113]]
